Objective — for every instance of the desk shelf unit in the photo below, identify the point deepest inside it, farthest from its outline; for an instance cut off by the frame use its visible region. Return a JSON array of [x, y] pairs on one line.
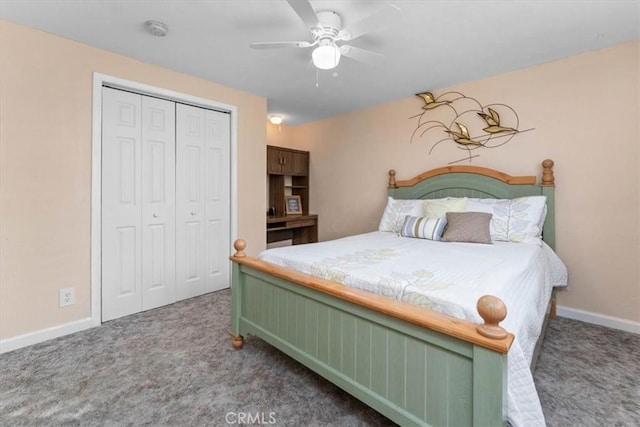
[[288, 172], [297, 228]]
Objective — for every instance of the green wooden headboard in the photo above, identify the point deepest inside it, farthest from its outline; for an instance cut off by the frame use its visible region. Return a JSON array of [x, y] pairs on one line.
[[479, 182]]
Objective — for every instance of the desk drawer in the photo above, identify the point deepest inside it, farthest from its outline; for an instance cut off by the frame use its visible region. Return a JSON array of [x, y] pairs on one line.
[[301, 223]]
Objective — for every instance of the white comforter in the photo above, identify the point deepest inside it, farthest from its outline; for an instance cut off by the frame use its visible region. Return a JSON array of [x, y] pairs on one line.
[[449, 278]]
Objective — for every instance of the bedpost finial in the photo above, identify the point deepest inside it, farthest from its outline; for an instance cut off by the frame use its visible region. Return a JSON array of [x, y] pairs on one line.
[[240, 245], [392, 179], [548, 180], [493, 311]]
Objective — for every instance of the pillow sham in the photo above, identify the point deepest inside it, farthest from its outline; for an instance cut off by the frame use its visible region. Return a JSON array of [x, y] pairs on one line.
[[468, 227], [423, 228], [395, 211], [518, 220], [543, 217], [499, 208], [525, 217], [438, 208]]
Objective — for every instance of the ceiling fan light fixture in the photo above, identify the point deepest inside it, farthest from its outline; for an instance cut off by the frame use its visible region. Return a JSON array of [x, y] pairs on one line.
[[275, 119], [326, 56]]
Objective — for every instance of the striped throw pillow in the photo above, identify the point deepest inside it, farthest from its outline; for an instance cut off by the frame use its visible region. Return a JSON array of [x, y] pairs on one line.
[[423, 228]]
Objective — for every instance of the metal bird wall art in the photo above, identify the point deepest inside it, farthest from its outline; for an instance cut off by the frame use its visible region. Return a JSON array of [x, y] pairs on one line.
[[429, 101], [493, 122], [462, 137], [467, 123]]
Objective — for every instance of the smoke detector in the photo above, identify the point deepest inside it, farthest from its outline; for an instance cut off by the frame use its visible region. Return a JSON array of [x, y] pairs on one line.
[[157, 28]]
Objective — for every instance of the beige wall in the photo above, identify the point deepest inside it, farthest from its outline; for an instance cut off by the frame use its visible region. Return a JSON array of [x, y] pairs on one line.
[[280, 135], [585, 113], [45, 168]]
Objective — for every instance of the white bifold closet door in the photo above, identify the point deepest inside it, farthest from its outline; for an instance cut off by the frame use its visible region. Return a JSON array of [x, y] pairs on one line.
[[165, 208], [203, 194]]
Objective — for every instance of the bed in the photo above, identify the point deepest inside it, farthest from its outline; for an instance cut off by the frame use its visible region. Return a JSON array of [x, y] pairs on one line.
[[417, 364]]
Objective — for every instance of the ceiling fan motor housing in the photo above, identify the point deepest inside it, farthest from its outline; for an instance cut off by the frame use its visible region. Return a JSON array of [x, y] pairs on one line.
[[329, 25]]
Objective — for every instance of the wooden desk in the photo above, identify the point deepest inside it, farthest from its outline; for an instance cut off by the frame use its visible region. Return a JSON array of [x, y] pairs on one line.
[[299, 228]]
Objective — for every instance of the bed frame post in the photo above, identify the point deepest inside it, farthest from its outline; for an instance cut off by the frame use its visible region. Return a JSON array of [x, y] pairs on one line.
[[236, 295], [548, 189], [548, 180], [493, 311], [392, 179], [489, 387]]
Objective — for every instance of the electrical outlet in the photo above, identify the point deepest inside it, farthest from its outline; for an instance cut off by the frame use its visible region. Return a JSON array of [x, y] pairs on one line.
[[67, 297]]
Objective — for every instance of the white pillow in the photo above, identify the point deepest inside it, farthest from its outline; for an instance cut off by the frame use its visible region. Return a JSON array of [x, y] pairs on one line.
[[499, 226], [514, 220], [525, 217], [543, 217], [393, 216], [438, 208]]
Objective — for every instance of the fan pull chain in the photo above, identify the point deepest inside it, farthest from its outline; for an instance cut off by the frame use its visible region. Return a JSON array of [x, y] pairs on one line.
[[317, 85]]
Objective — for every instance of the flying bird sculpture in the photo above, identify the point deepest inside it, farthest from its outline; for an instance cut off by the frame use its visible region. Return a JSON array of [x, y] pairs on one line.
[[462, 137], [493, 122], [429, 101], [470, 118]]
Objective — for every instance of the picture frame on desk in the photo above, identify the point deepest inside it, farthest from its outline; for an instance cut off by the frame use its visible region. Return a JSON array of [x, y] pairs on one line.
[[293, 205]]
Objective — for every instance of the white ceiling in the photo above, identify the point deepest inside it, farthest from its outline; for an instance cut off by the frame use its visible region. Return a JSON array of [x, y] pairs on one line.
[[434, 44]]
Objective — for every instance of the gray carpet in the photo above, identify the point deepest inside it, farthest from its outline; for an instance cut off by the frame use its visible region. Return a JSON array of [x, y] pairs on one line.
[[175, 366]]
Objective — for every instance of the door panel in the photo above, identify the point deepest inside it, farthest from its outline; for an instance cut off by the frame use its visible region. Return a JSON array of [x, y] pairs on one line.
[[158, 202], [126, 261], [159, 262], [121, 204], [217, 200], [190, 145], [192, 255], [215, 256]]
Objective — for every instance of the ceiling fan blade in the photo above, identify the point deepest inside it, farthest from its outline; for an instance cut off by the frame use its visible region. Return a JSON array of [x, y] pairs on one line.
[[305, 12], [276, 45], [361, 55], [373, 22]]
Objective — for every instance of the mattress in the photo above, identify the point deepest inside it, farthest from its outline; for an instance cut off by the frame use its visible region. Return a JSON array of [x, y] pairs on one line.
[[448, 277]]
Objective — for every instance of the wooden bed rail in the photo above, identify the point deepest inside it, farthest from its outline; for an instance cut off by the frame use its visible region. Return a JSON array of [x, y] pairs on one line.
[[488, 335]]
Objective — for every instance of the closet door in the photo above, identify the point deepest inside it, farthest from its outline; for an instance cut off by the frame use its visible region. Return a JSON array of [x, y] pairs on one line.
[[121, 204], [190, 219], [217, 200], [158, 202], [202, 197], [138, 203]]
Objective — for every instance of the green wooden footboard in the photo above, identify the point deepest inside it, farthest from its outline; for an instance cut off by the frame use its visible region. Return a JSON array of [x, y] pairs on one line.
[[411, 374]]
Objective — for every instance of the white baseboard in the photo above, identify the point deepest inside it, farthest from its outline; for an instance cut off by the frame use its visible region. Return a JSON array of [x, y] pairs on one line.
[[31, 338], [599, 319]]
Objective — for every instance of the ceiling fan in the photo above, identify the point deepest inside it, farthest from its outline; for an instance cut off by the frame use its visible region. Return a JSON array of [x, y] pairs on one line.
[[326, 28]]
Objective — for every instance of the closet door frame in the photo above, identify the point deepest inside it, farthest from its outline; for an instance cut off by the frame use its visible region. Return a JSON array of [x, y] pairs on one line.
[[100, 80]]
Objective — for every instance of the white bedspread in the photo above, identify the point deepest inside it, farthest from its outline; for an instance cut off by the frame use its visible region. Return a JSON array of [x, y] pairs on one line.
[[448, 278]]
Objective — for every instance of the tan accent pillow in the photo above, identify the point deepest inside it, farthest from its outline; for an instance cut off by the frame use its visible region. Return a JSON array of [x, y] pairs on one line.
[[438, 208], [469, 227]]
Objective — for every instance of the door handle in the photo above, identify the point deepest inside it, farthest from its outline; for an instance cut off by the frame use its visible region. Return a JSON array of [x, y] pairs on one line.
[[193, 213], [156, 215]]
